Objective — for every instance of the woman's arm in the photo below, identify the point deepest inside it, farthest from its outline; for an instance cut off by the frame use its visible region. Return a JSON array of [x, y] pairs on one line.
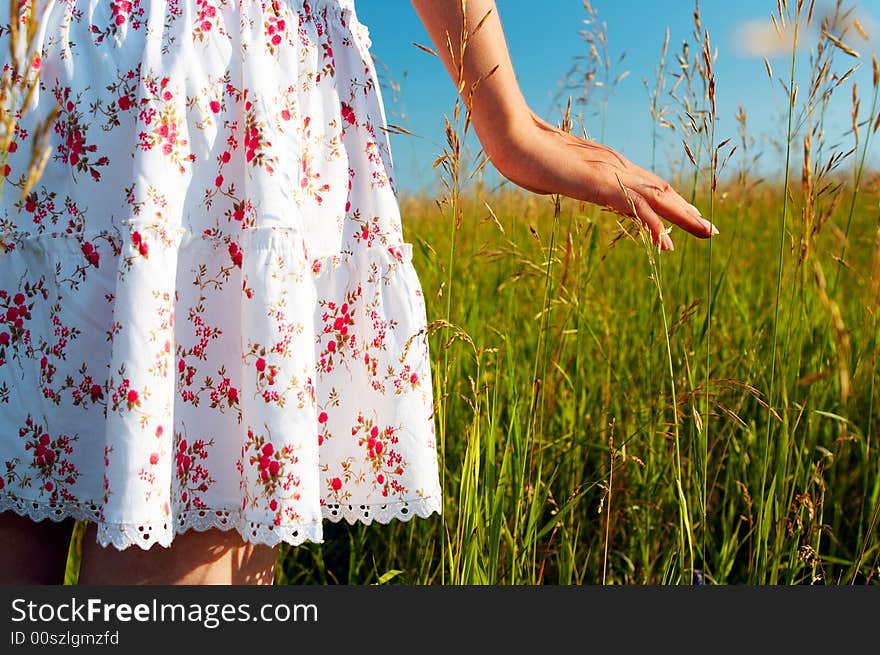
[[529, 151]]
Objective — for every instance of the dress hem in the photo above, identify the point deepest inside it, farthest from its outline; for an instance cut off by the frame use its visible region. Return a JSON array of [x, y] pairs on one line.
[[125, 535]]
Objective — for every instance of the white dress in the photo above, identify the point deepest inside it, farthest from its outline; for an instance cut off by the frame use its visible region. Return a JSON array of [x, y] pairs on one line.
[[209, 316]]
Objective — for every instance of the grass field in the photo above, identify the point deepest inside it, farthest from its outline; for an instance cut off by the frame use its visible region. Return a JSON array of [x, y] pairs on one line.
[[566, 459], [608, 414]]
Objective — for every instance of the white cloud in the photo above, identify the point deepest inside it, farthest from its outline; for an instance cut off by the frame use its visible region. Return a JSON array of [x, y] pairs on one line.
[[760, 38]]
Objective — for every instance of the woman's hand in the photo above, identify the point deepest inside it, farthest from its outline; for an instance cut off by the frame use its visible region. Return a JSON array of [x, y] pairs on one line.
[[544, 159], [529, 151]]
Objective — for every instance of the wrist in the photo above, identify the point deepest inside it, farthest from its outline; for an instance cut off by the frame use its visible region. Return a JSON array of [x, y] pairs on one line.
[[505, 135]]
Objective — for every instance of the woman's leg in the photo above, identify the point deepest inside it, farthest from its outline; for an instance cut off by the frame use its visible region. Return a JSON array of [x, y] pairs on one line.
[[194, 558], [33, 552]]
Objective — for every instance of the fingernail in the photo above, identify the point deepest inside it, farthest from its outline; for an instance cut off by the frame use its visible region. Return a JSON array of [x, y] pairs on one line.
[[710, 227], [668, 242]]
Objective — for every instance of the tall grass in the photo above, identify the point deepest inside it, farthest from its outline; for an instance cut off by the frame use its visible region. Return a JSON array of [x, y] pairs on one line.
[[587, 491]]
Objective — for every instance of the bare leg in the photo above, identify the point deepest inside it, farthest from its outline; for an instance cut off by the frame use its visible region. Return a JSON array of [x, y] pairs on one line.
[[34, 552], [212, 557]]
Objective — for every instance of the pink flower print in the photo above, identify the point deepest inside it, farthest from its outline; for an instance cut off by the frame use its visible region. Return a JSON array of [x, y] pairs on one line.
[[338, 321], [271, 464], [122, 10], [322, 427], [54, 471], [371, 363], [74, 148], [165, 123], [382, 455], [405, 379], [396, 253], [133, 398], [140, 243], [268, 466], [194, 477], [90, 253], [255, 144], [336, 484], [215, 106], [310, 181], [266, 374], [121, 393], [222, 392], [274, 27], [154, 458], [183, 460], [348, 114], [206, 20], [369, 230], [235, 254]]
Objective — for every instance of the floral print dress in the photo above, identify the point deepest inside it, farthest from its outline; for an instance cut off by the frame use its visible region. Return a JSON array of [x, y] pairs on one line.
[[209, 316]]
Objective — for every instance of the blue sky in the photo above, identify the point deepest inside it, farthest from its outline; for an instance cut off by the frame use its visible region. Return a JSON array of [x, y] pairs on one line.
[[543, 40]]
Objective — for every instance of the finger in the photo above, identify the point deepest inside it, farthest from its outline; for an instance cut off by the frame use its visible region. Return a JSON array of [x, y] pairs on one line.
[[664, 200], [639, 208]]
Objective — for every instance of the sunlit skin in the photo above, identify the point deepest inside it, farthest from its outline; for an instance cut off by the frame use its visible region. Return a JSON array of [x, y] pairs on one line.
[[527, 150]]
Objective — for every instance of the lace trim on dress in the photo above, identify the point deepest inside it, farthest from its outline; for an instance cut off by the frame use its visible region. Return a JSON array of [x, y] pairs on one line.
[[123, 535]]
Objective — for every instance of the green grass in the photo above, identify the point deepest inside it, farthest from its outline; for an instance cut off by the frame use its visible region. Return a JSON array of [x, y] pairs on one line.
[[573, 426]]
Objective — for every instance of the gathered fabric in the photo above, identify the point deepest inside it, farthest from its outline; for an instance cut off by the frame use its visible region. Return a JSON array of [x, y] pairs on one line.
[[209, 316]]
